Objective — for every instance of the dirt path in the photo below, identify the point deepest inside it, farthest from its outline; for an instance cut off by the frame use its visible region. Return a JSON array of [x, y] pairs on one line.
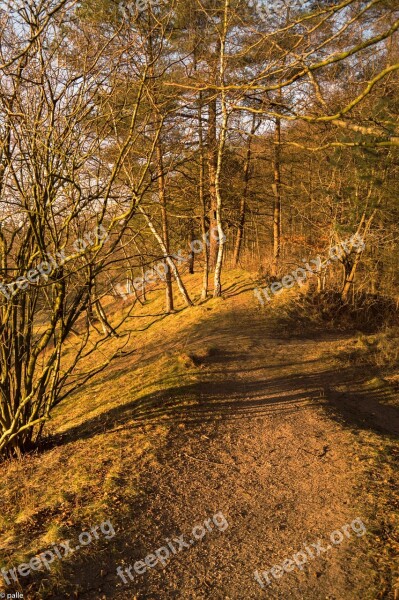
[[268, 438]]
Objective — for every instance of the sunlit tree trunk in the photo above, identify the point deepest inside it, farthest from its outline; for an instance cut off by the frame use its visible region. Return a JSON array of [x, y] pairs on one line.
[[165, 227], [244, 197], [212, 168], [222, 142], [202, 199], [277, 197], [168, 259]]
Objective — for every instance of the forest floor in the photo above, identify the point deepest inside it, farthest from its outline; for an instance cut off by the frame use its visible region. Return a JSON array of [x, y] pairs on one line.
[[222, 408]]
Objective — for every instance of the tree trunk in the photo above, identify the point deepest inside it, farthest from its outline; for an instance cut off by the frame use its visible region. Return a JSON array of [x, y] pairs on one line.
[[350, 272], [351, 268], [217, 291], [277, 198], [192, 253], [165, 228], [212, 167], [204, 291], [168, 259], [107, 327], [160, 165], [243, 204]]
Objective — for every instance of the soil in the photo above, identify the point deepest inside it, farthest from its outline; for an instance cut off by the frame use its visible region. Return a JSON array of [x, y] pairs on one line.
[[283, 440]]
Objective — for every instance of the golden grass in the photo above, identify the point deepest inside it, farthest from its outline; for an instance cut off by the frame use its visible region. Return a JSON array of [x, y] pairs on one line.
[[102, 443], [93, 471]]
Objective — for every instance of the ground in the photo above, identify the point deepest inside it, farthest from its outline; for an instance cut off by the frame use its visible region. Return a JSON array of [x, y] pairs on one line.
[[221, 408]]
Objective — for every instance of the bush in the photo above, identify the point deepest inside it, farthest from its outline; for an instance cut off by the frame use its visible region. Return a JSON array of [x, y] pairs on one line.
[[326, 311]]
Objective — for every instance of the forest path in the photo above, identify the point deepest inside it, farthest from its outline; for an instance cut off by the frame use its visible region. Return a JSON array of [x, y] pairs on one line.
[[267, 437]]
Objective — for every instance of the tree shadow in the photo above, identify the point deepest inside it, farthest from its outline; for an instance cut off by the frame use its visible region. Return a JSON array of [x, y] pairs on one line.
[[217, 400], [208, 401]]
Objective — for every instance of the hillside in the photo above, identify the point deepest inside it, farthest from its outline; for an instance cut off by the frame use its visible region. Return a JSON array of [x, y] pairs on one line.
[[221, 409]]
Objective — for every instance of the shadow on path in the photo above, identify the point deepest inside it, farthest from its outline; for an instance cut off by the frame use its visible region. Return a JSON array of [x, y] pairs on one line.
[[238, 399]]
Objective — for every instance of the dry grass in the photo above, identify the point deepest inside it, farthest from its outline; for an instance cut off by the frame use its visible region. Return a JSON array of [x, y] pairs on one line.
[[101, 439], [88, 467], [303, 310]]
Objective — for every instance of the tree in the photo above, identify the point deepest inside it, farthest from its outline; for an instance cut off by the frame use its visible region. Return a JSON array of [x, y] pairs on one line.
[[60, 223]]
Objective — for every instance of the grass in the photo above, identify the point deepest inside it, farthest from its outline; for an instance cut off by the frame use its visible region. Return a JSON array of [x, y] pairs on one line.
[[89, 467], [102, 438]]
